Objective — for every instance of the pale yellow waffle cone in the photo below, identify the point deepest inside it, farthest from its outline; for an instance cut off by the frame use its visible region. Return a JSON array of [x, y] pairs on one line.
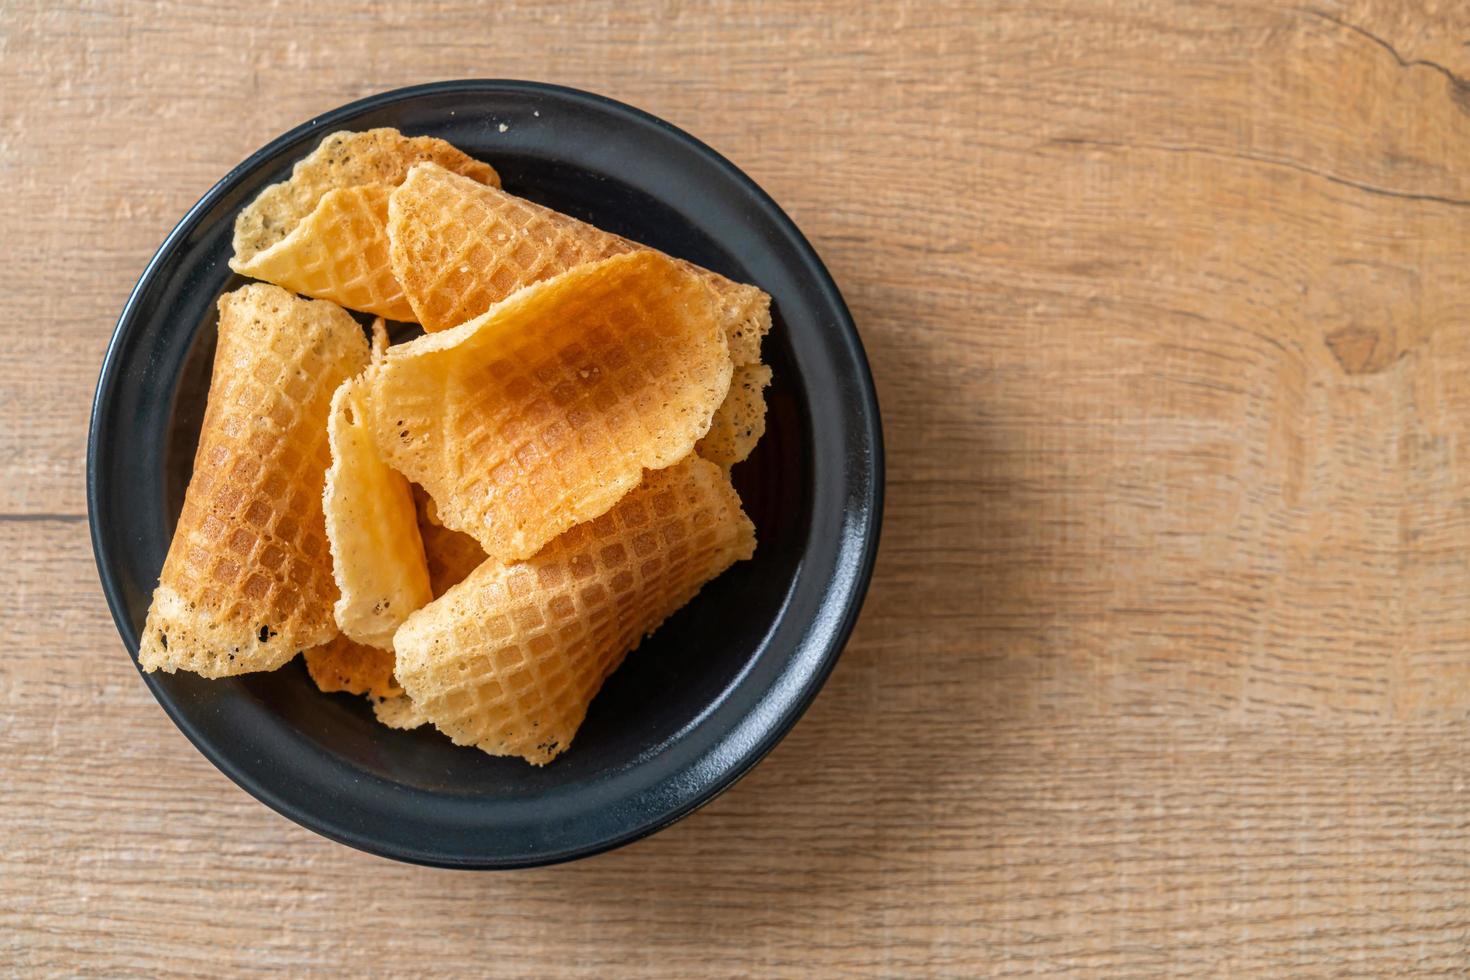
[[372, 527], [458, 247], [509, 659], [338, 252], [399, 712], [322, 233], [248, 578], [544, 411]]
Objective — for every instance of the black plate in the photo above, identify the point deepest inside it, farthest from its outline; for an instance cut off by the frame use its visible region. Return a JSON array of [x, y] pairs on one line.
[[702, 700]]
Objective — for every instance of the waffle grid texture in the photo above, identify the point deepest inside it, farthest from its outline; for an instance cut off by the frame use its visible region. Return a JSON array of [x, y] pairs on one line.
[[248, 578], [544, 411], [323, 232], [459, 247], [510, 659], [338, 252]]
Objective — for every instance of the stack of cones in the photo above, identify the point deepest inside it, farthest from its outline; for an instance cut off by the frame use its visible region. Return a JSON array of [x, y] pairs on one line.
[[474, 528]]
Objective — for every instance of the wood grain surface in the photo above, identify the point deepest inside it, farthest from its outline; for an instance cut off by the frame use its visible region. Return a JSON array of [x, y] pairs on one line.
[[1166, 665]]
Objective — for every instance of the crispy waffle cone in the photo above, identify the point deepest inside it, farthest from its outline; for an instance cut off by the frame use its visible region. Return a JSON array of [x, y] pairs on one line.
[[509, 659], [399, 712], [322, 233], [356, 668], [338, 252], [741, 419], [544, 411], [248, 578], [451, 555], [459, 247], [372, 527]]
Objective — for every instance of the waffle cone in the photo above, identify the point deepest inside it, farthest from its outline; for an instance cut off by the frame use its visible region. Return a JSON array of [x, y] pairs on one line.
[[544, 411], [740, 420], [323, 232], [372, 527], [399, 712], [509, 659], [248, 578], [459, 247], [356, 668], [338, 252], [451, 555]]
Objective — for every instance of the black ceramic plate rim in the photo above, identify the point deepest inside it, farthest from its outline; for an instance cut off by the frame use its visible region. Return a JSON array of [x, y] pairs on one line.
[[743, 752]]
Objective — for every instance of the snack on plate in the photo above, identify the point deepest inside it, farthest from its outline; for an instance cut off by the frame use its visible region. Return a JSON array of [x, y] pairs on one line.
[[248, 578], [356, 668], [474, 528], [740, 420], [509, 659], [372, 527], [322, 232], [459, 247], [544, 411], [451, 555]]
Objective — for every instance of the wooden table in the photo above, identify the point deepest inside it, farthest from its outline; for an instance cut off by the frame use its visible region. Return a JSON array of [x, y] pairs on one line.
[[1166, 664]]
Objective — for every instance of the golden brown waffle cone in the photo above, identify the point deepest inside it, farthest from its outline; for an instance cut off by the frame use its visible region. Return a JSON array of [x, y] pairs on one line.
[[509, 659], [322, 233], [740, 420], [544, 411], [451, 555], [372, 527], [248, 579], [459, 247], [342, 665]]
